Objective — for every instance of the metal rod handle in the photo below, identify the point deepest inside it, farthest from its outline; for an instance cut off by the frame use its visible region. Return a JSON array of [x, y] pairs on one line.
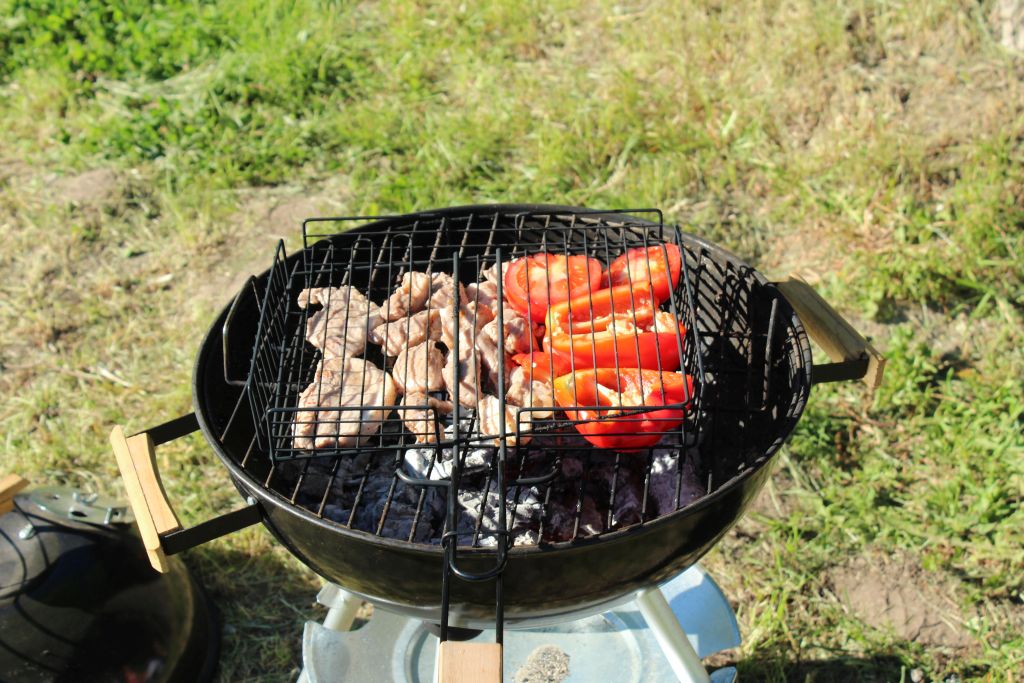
[[161, 532], [853, 357]]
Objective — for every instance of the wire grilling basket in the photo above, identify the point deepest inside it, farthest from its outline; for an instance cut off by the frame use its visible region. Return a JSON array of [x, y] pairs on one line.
[[316, 316]]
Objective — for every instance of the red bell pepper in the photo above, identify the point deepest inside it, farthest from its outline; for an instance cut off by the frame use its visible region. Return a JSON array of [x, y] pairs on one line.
[[579, 393], [616, 327], [541, 366]]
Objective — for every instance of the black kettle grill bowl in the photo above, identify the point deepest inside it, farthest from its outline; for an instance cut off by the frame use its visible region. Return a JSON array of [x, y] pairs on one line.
[[754, 349]]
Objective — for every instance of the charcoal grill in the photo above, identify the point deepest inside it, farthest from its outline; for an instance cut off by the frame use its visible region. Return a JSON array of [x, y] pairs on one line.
[[744, 343]]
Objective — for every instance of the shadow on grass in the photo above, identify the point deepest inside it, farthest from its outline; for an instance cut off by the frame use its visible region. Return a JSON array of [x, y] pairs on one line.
[[264, 597], [881, 668]]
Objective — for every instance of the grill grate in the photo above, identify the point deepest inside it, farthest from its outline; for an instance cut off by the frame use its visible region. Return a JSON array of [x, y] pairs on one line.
[[572, 489]]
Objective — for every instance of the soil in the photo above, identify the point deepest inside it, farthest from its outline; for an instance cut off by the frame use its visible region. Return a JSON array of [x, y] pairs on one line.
[[97, 187], [808, 252], [1008, 24], [897, 593], [264, 217], [13, 168], [286, 216]]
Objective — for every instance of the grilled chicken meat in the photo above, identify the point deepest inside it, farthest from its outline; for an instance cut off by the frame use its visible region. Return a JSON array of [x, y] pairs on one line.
[[489, 421], [398, 335], [491, 274], [339, 329], [331, 412], [442, 291], [409, 297], [422, 422], [518, 333], [483, 293], [526, 394], [487, 349], [419, 369], [467, 362]]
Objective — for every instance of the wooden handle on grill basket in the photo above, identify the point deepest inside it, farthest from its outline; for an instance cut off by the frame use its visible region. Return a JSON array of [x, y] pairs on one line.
[[853, 356], [469, 662], [161, 532], [9, 487]]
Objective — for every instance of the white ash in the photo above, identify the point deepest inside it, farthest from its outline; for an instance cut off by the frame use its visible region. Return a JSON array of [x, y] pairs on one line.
[[480, 515], [436, 463]]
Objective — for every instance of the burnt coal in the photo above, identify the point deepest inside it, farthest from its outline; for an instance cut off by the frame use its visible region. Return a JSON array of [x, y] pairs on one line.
[[591, 492]]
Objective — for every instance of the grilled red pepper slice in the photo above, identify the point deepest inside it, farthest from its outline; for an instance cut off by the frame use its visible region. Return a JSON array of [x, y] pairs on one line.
[[579, 393], [534, 282], [616, 327], [541, 366], [659, 265]]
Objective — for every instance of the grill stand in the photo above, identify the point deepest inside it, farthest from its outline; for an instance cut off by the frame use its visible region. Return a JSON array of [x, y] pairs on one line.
[[661, 636]]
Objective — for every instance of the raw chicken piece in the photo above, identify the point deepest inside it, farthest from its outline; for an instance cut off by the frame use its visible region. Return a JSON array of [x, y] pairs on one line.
[[487, 345], [340, 389], [397, 335], [419, 369], [484, 294], [474, 317], [339, 329], [491, 274], [468, 361], [442, 291], [478, 313], [518, 332], [526, 394], [488, 415], [409, 297], [423, 422]]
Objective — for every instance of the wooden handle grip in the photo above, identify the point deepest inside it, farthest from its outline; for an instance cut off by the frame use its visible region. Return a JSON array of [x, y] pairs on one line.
[[830, 330], [9, 487], [136, 458], [469, 662]]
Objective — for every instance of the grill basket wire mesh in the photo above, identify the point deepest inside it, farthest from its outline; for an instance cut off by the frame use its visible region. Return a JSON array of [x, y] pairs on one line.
[[734, 346]]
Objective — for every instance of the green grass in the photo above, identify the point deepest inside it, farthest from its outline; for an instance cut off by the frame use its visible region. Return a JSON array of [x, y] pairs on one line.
[[876, 145]]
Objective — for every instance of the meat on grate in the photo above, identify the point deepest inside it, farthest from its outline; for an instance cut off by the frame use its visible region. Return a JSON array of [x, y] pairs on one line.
[[488, 413], [487, 345], [519, 332], [467, 362], [409, 297], [442, 291], [339, 329], [483, 293], [491, 274], [397, 335], [423, 422], [526, 394], [419, 368], [331, 412]]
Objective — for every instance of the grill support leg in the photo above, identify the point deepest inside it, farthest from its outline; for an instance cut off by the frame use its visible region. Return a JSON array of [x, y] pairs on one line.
[[341, 607], [671, 637], [341, 612]]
